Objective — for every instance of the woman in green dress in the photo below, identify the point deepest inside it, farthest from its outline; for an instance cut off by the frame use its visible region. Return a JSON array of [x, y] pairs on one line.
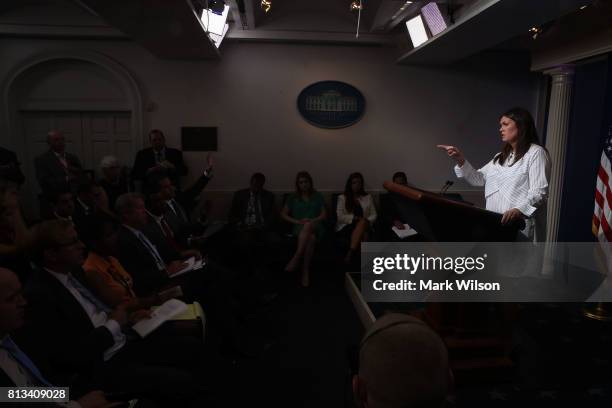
[[305, 209]]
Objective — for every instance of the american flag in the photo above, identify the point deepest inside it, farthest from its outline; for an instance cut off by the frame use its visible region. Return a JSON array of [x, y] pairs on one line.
[[602, 216]]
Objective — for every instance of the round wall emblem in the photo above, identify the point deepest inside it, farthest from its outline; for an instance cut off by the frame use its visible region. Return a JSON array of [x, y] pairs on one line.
[[331, 104]]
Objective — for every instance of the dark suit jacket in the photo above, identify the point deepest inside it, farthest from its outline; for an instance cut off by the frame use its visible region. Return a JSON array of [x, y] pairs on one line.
[[185, 202], [145, 159], [139, 263], [240, 203], [59, 331], [9, 166], [155, 234], [50, 172]]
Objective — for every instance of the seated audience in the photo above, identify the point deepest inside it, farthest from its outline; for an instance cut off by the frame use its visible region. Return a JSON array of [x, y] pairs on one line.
[[305, 209], [103, 272], [88, 198], [16, 368], [180, 204], [10, 167], [15, 237], [253, 216], [356, 214], [402, 363], [61, 200], [160, 233], [56, 166], [137, 253], [159, 157], [114, 180], [389, 216], [83, 335]]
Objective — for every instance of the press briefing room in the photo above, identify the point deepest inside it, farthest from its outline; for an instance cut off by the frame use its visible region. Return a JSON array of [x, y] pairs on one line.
[[306, 203]]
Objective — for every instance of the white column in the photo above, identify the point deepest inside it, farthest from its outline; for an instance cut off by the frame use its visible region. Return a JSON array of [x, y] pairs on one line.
[[556, 141]]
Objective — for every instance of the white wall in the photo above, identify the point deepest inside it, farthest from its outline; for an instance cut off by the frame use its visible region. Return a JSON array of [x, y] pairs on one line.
[[250, 95]]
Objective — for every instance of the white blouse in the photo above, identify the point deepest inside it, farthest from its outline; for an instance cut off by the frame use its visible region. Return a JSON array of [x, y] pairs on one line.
[[346, 218], [522, 185]]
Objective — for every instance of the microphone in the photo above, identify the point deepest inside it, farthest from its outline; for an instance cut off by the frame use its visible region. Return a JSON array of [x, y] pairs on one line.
[[446, 186]]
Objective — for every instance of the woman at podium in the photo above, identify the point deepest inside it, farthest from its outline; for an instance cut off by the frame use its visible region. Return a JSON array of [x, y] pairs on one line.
[[516, 179]]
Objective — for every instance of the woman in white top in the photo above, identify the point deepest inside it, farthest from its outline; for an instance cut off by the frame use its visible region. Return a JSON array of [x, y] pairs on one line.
[[355, 212], [516, 179]]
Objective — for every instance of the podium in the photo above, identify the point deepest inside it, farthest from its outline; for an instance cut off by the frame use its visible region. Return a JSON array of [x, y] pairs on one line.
[[478, 335], [441, 219]]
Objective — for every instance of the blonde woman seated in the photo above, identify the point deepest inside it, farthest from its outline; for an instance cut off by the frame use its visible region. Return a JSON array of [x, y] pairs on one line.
[[356, 214], [305, 209]]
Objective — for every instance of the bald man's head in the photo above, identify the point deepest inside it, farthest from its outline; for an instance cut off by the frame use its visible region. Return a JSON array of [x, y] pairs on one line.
[[12, 303], [402, 364]]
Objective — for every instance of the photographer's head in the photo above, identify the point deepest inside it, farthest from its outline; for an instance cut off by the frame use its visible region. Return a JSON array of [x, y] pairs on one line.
[[402, 364]]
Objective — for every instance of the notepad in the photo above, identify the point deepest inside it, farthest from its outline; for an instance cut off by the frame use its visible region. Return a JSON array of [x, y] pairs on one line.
[[190, 265], [404, 233], [163, 313]]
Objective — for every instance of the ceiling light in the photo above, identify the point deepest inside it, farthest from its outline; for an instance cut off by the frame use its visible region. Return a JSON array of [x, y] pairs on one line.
[[266, 5], [215, 24], [535, 31], [355, 5], [417, 32], [434, 19]]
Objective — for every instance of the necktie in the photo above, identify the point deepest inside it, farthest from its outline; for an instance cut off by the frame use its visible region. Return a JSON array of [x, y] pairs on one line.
[[176, 208], [258, 212], [87, 294], [158, 157], [168, 233], [160, 263], [25, 362]]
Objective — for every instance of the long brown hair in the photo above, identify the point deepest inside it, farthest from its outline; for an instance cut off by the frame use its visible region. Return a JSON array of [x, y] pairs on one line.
[[307, 176], [349, 196], [527, 135]]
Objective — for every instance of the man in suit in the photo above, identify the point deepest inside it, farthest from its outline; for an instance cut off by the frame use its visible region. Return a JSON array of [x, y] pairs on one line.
[[83, 335], [159, 157], [160, 233], [180, 203], [143, 260], [16, 368], [61, 201], [56, 166], [140, 257], [253, 216], [10, 167]]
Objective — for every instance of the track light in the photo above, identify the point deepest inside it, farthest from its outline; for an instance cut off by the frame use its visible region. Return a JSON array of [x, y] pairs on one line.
[[535, 31], [266, 5]]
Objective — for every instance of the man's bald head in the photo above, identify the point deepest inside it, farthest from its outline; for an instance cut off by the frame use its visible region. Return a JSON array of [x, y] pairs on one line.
[[56, 141], [12, 303], [402, 364]]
